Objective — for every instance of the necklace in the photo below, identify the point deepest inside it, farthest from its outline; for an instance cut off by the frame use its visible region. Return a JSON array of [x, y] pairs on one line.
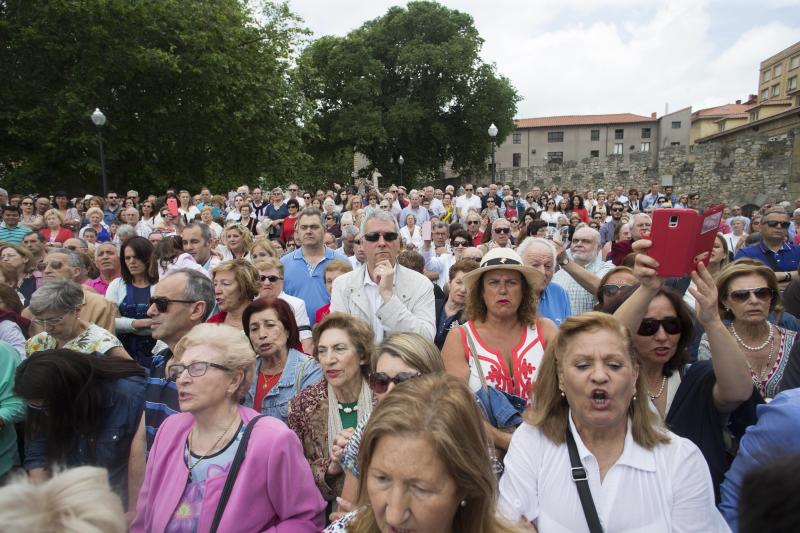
[[759, 380], [753, 348], [347, 410], [210, 450], [656, 396]]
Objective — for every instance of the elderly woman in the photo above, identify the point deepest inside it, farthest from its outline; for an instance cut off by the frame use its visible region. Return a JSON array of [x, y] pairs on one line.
[[56, 307], [236, 284], [738, 226], [22, 261], [612, 286], [131, 293], [282, 371], [492, 210], [322, 414], [503, 334], [54, 232], [275, 213], [449, 315], [248, 220], [271, 275], [238, 241], [695, 401], [591, 412], [749, 295], [82, 410], [411, 234], [193, 451], [425, 463], [95, 218]]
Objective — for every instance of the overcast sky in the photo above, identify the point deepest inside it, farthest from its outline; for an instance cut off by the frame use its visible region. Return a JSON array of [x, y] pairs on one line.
[[568, 57]]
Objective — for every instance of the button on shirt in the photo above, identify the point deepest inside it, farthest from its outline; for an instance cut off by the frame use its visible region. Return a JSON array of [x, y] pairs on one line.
[[784, 260], [580, 299], [307, 282], [667, 488]]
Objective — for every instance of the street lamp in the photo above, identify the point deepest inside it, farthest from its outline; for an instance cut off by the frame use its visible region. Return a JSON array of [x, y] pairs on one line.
[[493, 135], [400, 162], [99, 120]]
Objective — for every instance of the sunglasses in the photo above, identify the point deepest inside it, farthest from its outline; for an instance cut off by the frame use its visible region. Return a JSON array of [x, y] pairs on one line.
[[388, 236], [617, 210], [55, 265], [26, 203], [502, 230], [162, 303], [379, 382], [460, 244], [514, 220], [777, 223], [473, 222], [271, 279], [650, 326], [610, 289], [742, 295]]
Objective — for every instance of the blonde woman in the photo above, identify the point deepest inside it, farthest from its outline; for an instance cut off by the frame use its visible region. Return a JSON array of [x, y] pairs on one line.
[[95, 217], [236, 284], [262, 249], [237, 242], [54, 230]]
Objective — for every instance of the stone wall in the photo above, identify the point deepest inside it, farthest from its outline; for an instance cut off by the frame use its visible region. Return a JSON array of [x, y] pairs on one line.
[[751, 170]]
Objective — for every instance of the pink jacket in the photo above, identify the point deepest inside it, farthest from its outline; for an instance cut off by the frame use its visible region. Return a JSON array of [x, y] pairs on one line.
[[274, 491]]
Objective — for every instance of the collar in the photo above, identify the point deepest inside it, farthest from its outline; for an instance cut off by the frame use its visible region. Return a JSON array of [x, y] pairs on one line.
[[633, 455], [368, 280], [298, 254], [765, 249]]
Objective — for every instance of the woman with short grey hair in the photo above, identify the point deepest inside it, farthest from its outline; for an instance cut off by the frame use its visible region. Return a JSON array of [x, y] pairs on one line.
[[56, 307]]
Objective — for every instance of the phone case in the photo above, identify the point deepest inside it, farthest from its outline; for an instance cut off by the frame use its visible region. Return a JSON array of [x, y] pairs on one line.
[[426, 230], [681, 236], [172, 206]]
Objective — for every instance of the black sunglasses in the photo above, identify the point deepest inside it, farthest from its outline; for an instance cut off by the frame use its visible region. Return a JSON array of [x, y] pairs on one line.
[[649, 326], [272, 279], [388, 236], [777, 223], [162, 303], [610, 289], [502, 230], [460, 244], [742, 295], [379, 382], [473, 222]]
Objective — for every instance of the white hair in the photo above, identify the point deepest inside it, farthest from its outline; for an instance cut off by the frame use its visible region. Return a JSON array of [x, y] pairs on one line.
[[380, 215], [530, 241]]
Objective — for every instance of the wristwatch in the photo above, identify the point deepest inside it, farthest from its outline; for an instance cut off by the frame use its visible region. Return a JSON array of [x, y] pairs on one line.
[[563, 259]]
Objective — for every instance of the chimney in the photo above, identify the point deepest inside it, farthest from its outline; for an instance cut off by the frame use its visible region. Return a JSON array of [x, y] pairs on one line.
[[653, 115], [752, 99], [738, 102]]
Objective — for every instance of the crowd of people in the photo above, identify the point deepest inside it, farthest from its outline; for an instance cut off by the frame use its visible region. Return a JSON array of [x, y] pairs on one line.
[[362, 359]]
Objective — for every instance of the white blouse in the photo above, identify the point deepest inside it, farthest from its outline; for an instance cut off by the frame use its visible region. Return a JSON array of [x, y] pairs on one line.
[[666, 489]]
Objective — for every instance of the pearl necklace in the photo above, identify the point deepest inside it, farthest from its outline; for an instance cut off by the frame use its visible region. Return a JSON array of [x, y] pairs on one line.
[[348, 410], [753, 348], [656, 396]]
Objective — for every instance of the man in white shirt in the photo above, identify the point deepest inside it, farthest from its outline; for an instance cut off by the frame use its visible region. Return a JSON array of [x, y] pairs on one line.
[[580, 275], [415, 208], [293, 189], [436, 205], [258, 204], [463, 203]]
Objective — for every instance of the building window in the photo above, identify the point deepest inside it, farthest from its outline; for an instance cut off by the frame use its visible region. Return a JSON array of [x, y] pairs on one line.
[[516, 137], [765, 94], [619, 134], [617, 148], [594, 153], [722, 126], [794, 62], [644, 147], [766, 75], [777, 71], [675, 144], [791, 84], [555, 157], [595, 135], [776, 90], [555, 136], [754, 115], [645, 133], [676, 124], [516, 160]]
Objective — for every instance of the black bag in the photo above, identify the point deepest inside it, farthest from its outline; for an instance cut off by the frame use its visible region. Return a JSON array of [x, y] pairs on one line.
[[582, 483]]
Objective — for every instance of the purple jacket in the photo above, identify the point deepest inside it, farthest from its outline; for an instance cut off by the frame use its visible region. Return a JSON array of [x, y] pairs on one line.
[[274, 491]]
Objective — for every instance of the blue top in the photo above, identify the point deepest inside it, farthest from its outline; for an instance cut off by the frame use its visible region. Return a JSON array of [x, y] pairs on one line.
[[276, 401], [13, 235], [785, 260], [276, 214], [110, 447], [308, 284], [777, 433], [161, 396], [110, 216], [420, 214], [554, 303]]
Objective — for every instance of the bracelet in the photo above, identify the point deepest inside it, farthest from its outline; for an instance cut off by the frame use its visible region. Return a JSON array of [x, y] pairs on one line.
[[787, 276]]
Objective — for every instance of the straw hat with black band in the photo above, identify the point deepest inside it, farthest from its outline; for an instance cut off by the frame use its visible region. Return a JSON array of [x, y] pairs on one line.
[[505, 259]]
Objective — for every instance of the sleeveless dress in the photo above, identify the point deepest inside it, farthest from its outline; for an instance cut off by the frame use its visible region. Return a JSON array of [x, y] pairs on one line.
[[526, 359]]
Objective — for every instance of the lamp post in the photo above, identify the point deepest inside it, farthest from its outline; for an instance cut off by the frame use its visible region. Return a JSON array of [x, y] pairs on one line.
[[99, 120], [493, 135], [400, 162]]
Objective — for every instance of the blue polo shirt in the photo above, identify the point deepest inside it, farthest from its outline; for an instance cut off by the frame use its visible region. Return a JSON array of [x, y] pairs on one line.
[[784, 260], [13, 235], [554, 304], [307, 283]]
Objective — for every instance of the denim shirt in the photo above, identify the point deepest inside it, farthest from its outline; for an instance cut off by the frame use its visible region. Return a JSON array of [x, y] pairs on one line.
[[110, 447], [276, 401]]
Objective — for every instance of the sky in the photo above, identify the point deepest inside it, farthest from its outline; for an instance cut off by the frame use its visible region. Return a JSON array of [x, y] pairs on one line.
[[574, 57]]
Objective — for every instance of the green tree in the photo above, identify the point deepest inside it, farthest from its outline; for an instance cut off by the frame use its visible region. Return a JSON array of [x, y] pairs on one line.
[[195, 91], [408, 83]]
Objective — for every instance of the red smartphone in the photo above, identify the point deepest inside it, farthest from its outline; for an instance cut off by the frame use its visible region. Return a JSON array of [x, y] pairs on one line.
[[172, 206], [683, 238]]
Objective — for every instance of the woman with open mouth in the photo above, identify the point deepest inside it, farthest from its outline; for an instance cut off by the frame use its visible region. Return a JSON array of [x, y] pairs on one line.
[[592, 436]]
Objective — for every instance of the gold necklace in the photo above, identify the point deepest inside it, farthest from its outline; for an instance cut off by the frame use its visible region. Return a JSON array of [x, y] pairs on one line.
[[210, 450]]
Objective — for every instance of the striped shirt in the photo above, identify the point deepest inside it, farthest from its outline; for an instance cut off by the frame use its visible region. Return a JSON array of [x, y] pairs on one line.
[[13, 235], [160, 396]]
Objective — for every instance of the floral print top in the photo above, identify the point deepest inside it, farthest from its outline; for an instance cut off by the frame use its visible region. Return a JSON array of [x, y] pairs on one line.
[[93, 340]]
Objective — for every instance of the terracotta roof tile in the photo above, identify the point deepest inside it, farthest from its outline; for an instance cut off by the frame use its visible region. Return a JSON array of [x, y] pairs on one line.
[[733, 115], [785, 101], [720, 111], [581, 120]]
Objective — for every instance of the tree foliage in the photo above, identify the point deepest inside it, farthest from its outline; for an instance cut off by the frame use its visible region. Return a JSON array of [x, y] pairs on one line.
[[195, 91], [408, 83]]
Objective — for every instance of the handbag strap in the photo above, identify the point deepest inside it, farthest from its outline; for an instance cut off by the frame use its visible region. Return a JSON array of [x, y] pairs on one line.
[[582, 483], [474, 355], [300, 376], [238, 459]]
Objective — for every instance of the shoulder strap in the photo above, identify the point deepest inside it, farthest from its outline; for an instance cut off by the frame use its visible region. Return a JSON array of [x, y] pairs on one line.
[[582, 483], [300, 375], [238, 459], [474, 356]]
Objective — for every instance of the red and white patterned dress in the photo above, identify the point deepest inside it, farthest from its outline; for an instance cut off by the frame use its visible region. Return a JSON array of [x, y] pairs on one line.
[[526, 358]]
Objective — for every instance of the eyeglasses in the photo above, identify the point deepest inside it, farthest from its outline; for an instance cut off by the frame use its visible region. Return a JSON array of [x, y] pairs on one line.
[[460, 244], [55, 265], [617, 209], [44, 322], [384, 206], [162, 303], [514, 221], [196, 369], [742, 295], [26, 203], [271, 279], [306, 197], [650, 326], [489, 201], [610, 289], [379, 381], [502, 230], [388, 236], [470, 189], [777, 223], [473, 222], [291, 207]]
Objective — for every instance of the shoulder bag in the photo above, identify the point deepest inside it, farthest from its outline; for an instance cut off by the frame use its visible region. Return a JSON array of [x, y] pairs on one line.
[[582, 483]]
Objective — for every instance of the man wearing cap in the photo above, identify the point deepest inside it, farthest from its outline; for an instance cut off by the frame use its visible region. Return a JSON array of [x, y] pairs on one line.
[[389, 296], [774, 251]]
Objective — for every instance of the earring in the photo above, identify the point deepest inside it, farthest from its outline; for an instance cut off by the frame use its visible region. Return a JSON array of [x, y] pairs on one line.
[[563, 395], [634, 397], [463, 503]]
